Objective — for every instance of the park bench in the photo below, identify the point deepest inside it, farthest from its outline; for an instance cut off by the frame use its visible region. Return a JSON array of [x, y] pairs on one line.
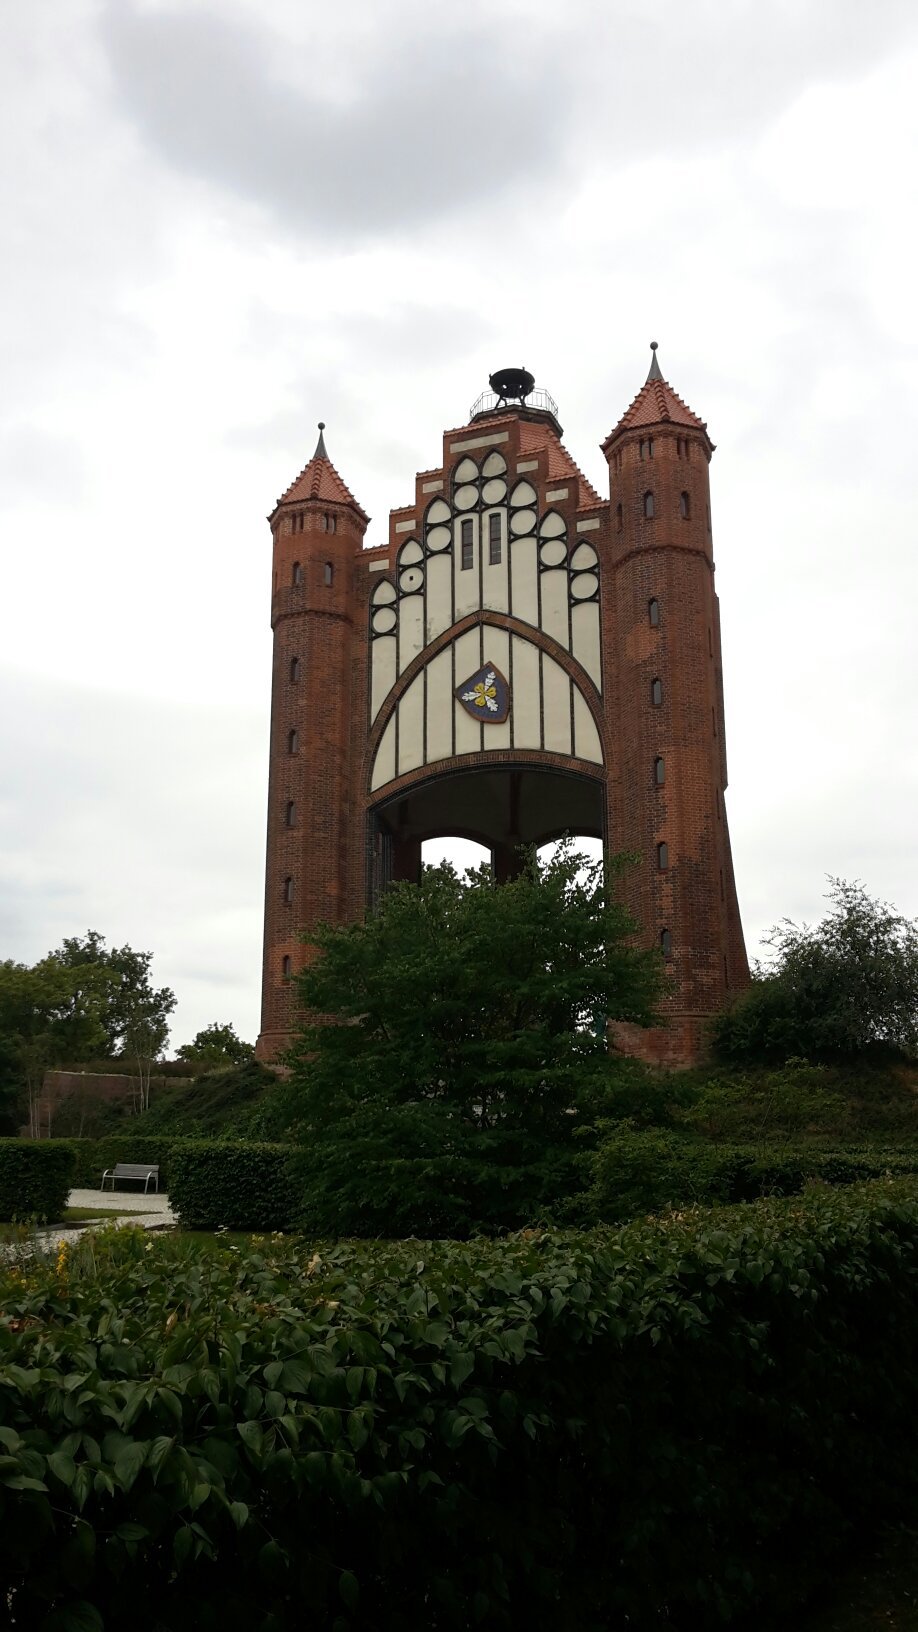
[[132, 1170]]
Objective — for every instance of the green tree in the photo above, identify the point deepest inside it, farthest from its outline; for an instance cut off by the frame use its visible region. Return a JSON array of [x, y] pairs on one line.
[[836, 990], [216, 1045], [50, 1014], [135, 1018], [438, 1089]]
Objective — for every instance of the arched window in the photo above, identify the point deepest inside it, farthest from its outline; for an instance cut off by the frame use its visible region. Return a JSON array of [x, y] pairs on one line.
[[679, 447], [329, 572], [685, 506], [297, 574], [648, 505], [286, 966], [619, 518], [656, 692], [646, 447], [288, 891], [666, 943], [663, 856], [294, 669], [659, 771], [290, 814], [293, 742], [653, 613]]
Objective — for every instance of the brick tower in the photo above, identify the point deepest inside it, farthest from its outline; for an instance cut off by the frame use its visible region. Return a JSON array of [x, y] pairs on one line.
[[522, 658]]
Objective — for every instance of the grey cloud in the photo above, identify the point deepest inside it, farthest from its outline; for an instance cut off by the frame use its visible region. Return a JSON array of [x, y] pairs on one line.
[[435, 121], [429, 114], [144, 821]]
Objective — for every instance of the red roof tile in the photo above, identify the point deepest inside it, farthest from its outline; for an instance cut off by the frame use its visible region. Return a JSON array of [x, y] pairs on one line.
[[320, 480], [535, 437], [656, 403]]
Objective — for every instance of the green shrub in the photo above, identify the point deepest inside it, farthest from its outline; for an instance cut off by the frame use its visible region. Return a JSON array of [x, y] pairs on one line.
[[215, 1183], [642, 1170], [94, 1156], [36, 1177], [676, 1424]]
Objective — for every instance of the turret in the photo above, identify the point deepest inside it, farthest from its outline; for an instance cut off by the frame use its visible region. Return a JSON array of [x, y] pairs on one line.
[[667, 800], [318, 530]]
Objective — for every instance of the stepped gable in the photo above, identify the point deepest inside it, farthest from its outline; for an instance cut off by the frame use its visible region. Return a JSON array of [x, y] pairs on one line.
[[320, 480]]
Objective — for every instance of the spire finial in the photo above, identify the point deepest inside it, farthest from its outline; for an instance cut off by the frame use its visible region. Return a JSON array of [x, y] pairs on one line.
[[655, 371], [321, 450]]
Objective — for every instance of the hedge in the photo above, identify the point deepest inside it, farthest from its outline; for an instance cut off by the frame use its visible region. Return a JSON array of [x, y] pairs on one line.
[[236, 1185], [35, 1179], [643, 1170], [676, 1424], [94, 1156]]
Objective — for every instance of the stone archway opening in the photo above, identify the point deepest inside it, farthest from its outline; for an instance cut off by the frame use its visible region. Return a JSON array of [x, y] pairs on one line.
[[496, 807]]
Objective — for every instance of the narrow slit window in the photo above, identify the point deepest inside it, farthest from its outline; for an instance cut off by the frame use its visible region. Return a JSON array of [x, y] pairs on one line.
[[286, 966], [653, 613], [619, 518], [290, 814], [656, 692], [679, 446], [288, 892], [648, 506], [329, 572], [685, 506], [494, 539], [666, 943], [297, 575], [467, 560], [659, 771], [293, 742], [663, 856], [294, 669]]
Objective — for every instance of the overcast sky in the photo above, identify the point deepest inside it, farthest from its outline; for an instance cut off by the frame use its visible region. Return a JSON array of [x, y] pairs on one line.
[[221, 222]]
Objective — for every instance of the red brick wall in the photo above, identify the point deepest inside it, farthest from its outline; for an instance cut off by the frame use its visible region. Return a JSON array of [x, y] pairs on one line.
[[668, 558]]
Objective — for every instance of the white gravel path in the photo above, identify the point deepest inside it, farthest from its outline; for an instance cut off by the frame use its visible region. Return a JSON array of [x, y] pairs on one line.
[[150, 1212]]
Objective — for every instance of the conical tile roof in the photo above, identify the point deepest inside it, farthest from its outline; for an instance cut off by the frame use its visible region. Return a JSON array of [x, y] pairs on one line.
[[320, 480], [656, 403]]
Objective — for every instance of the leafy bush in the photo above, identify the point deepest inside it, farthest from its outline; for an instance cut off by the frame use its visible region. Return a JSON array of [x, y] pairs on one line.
[[35, 1179], [836, 990], [642, 1170], [218, 1104], [674, 1424], [638, 1171], [217, 1183], [419, 1170], [775, 1105]]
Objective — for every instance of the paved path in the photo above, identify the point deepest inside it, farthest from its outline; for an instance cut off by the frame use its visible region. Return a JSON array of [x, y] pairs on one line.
[[150, 1212]]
